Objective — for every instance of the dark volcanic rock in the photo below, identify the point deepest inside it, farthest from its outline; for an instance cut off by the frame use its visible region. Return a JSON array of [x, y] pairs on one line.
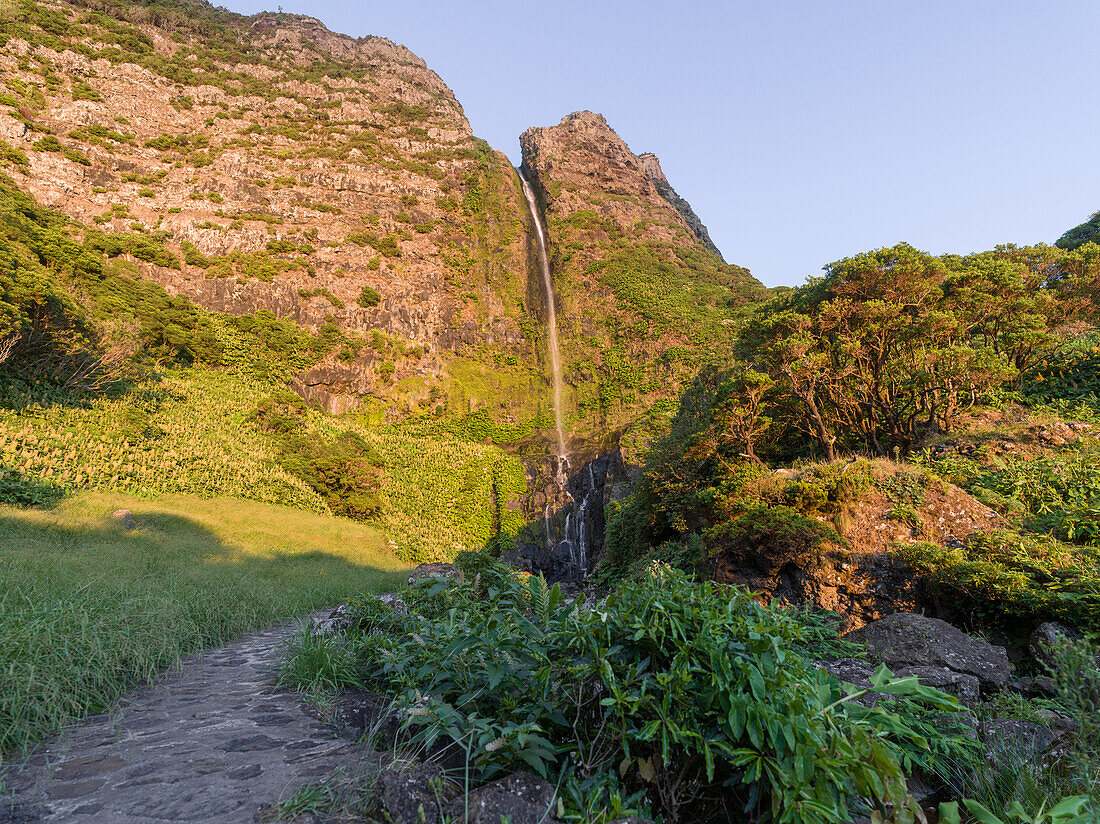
[[521, 798], [908, 642], [1046, 636], [409, 796], [435, 570]]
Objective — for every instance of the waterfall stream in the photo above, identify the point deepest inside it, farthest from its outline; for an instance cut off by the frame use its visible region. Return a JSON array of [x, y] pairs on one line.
[[574, 544], [551, 319]]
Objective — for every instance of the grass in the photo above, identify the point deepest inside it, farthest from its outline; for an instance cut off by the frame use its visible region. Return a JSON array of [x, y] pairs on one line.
[[88, 608], [189, 432]]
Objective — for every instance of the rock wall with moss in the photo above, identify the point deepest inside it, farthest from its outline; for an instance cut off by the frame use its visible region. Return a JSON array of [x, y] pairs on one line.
[[642, 300], [266, 163]]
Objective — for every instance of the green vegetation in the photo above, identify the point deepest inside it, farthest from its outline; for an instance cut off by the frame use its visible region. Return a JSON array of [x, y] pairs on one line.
[[94, 398], [368, 297], [1087, 232], [893, 344], [667, 696], [87, 609], [436, 496]]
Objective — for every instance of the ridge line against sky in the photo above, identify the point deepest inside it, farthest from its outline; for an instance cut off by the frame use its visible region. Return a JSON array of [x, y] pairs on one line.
[[800, 132]]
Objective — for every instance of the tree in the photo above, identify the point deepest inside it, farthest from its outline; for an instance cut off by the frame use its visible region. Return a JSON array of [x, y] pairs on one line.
[[886, 347]]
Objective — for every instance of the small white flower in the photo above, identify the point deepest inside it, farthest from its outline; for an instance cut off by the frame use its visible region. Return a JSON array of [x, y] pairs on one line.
[[493, 746]]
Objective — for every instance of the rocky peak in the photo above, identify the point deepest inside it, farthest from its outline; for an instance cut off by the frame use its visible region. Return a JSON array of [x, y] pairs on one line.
[[583, 158], [652, 165], [582, 161]]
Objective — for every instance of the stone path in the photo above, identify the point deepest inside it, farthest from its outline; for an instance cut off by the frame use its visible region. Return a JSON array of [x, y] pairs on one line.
[[210, 743]]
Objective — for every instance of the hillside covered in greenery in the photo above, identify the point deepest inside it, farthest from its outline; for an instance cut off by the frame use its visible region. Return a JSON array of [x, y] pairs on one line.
[[273, 332]]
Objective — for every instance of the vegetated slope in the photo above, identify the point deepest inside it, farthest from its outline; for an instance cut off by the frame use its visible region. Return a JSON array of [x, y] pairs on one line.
[[273, 165], [279, 166], [107, 382], [981, 368], [642, 299], [88, 608]]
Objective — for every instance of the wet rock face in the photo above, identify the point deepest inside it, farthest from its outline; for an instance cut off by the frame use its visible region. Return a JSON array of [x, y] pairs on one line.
[[565, 534]]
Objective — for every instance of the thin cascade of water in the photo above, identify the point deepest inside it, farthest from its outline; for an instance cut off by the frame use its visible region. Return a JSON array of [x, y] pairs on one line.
[[547, 517], [552, 317]]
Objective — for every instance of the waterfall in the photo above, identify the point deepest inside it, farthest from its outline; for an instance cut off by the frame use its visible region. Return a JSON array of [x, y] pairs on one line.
[[552, 319]]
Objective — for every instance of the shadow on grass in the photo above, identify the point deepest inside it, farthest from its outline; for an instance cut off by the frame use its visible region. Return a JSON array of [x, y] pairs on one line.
[[20, 489], [89, 608]]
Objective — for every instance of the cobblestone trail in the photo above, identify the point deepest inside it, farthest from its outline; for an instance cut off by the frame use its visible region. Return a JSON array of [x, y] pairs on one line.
[[209, 743]]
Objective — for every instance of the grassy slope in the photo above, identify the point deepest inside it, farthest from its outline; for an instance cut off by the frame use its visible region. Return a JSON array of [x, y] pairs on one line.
[[87, 608], [189, 432]]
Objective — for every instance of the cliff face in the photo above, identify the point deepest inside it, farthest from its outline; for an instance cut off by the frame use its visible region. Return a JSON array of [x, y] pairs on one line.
[[266, 163], [643, 296], [652, 165], [287, 168]]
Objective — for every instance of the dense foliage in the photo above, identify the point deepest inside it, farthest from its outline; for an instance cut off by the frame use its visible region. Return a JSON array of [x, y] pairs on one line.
[[692, 700], [75, 315], [893, 345]]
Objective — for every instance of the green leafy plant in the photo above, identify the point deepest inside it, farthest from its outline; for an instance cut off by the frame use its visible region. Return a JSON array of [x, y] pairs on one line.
[[676, 689], [1069, 810]]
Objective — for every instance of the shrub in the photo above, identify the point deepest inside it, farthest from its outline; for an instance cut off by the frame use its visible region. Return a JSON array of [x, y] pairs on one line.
[[82, 91], [698, 699], [10, 154], [368, 297], [49, 143], [1003, 578]]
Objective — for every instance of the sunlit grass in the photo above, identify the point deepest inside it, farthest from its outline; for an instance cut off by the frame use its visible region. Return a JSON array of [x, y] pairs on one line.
[[88, 608], [189, 431]]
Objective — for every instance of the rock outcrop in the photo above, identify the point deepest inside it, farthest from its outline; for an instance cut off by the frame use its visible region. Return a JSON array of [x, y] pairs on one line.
[[285, 168], [633, 280], [581, 164], [936, 652], [652, 165], [846, 560]]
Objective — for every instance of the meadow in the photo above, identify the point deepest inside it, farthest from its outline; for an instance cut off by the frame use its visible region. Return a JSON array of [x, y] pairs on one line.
[[89, 608], [191, 431]]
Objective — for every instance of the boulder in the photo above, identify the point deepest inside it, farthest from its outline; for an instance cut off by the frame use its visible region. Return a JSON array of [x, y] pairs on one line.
[[412, 795], [1046, 636], [394, 603], [912, 643], [850, 671], [356, 713], [967, 688], [340, 619], [520, 798], [1012, 737], [124, 518], [435, 570], [1034, 687], [858, 673]]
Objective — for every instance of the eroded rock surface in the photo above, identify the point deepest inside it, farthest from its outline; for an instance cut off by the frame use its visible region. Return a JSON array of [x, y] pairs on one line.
[[914, 645]]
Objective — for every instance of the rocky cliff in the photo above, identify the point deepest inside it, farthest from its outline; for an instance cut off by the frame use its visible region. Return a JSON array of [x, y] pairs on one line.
[[652, 165], [284, 167], [266, 163], [643, 299]]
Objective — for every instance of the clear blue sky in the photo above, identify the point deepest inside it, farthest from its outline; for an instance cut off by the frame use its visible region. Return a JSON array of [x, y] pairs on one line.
[[801, 132]]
